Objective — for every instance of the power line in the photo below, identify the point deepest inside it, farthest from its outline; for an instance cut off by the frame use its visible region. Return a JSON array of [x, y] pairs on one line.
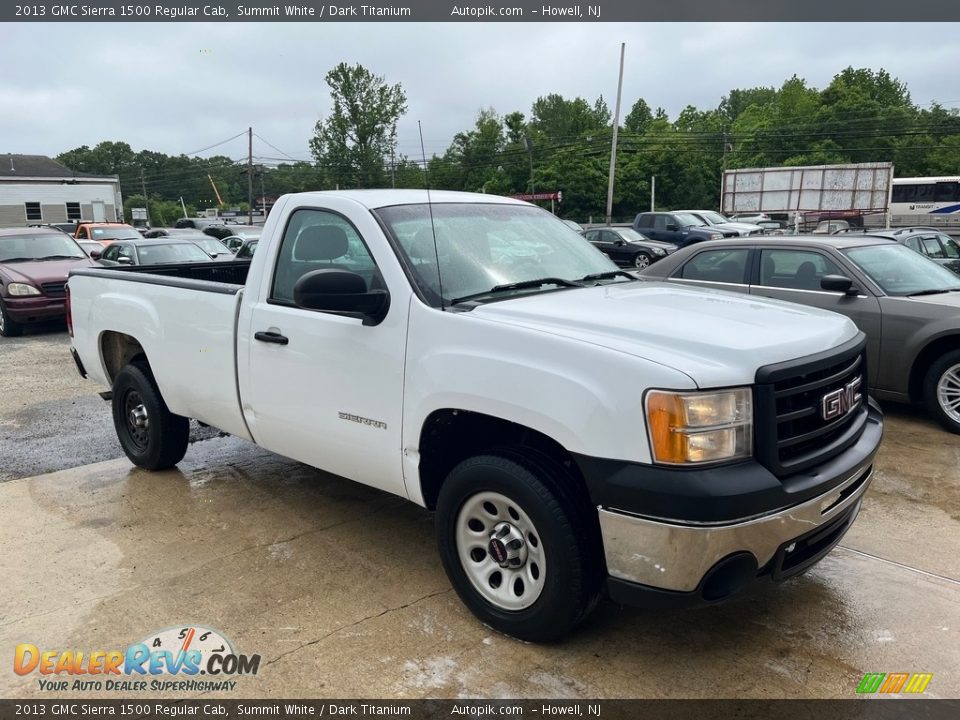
[[223, 142]]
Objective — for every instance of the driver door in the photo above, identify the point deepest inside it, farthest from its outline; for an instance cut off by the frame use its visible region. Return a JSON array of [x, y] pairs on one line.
[[320, 387]]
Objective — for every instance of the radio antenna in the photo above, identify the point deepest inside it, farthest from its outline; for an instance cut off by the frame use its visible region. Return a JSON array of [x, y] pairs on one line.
[[433, 228]]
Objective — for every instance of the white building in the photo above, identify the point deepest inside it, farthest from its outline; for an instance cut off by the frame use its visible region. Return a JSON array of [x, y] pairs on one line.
[[36, 189]]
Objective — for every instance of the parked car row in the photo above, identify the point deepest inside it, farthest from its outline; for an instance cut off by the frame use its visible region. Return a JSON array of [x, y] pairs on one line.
[[35, 261], [908, 306]]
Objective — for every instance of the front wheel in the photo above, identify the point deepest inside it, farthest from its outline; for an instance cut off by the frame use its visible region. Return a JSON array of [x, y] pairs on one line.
[[519, 550], [641, 260], [941, 391], [8, 326], [151, 436]]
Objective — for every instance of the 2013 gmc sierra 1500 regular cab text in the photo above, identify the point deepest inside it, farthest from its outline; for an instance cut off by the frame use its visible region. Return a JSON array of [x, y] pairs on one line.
[[575, 431]]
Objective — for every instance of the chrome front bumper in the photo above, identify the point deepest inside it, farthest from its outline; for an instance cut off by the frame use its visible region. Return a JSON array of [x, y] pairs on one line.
[[673, 555]]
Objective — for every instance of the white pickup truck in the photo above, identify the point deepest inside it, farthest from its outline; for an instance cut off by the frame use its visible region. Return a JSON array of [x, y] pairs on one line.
[[576, 431]]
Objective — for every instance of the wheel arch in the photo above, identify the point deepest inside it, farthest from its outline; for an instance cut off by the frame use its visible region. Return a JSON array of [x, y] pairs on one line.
[[118, 350], [925, 358], [451, 435]]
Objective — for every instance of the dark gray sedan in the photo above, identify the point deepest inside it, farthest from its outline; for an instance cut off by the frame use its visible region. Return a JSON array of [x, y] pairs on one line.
[[159, 251], [908, 306], [627, 247]]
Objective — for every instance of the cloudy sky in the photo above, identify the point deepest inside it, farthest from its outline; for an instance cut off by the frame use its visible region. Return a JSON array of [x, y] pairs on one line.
[[179, 88]]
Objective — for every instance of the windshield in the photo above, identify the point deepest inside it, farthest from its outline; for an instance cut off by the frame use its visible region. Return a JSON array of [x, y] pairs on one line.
[[181, 252], [632, 235], [713, 218], [211, 245], [53, 246], [483, 246], [687, 219], [898, 270], [120, 233]]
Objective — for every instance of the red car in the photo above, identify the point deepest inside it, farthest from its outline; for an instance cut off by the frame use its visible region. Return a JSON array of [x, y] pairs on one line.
[[34, 263]]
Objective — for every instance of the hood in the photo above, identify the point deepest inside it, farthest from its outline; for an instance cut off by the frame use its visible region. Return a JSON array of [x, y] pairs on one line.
[[716, 338], [654, 243], [742, 228], [43, 271]]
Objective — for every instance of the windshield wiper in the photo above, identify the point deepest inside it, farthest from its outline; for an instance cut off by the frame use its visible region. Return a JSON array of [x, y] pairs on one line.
[[61, 257], [522, 285], [17, 259], [933, 292], [609, 275]]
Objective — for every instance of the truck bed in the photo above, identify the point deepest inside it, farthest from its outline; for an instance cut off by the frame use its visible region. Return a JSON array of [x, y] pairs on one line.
[[183, 315], [208, 273]]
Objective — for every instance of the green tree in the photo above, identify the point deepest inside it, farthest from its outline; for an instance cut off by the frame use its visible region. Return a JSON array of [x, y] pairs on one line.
[[356, 140]]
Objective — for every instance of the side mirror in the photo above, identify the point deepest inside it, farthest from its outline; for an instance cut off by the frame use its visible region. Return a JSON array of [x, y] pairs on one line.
[[341, 291], [95, 254], [838, 283], [619, 243]]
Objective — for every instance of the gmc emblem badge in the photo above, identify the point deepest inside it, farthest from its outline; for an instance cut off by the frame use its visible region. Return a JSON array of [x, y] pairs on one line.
[[841, 401]]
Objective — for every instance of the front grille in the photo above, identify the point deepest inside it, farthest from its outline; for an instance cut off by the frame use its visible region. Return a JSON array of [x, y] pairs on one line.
[[792, 433], [54, 289]]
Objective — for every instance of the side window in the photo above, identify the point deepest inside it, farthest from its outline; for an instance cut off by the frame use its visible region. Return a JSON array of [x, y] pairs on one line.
[[592, 235], [913, 244], [795, 269], [125, 251], [110, 253], [609, 237], [646, 221], [318, 240], [950, 248], [660, 222], [931, 247], [723, 265]]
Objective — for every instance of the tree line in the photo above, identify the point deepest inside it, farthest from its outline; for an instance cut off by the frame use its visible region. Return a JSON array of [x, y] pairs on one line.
[[563, 144]]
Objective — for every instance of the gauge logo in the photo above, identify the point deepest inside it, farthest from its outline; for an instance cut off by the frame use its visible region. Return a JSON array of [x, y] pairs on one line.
[[185, 650]]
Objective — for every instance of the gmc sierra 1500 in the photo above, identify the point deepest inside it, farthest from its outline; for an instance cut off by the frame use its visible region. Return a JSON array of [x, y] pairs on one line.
[[575, 430]]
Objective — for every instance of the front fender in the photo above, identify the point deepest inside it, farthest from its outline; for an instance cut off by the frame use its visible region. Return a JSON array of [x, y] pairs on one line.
[[587, 398]]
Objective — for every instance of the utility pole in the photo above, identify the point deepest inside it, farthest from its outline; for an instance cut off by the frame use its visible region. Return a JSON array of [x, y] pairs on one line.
[[250, 177], [529, 145], [613, 145], [263, 193], [146, 200]]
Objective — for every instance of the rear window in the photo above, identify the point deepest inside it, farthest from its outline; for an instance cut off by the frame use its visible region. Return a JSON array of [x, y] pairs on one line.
[[160, 254], [726, 265]]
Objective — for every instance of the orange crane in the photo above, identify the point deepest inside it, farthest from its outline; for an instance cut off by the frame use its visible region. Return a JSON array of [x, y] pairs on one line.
[[215, 191]]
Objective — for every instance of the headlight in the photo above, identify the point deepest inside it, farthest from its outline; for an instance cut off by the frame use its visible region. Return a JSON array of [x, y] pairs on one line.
[[22, 289], [658, 251], [693, 428]]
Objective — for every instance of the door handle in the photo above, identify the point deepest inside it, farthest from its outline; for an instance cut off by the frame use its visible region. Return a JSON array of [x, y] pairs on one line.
[[271, 337]]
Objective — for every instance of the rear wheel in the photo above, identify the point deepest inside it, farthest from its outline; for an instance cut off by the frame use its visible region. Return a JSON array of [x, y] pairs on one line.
[[517, 546], [8, 326], [941, 391], [150, 435]]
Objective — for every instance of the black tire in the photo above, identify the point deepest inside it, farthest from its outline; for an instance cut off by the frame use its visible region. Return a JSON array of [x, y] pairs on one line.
[[564, 539], [8, 326], [641, 260], [941, 386], [151, 436]]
